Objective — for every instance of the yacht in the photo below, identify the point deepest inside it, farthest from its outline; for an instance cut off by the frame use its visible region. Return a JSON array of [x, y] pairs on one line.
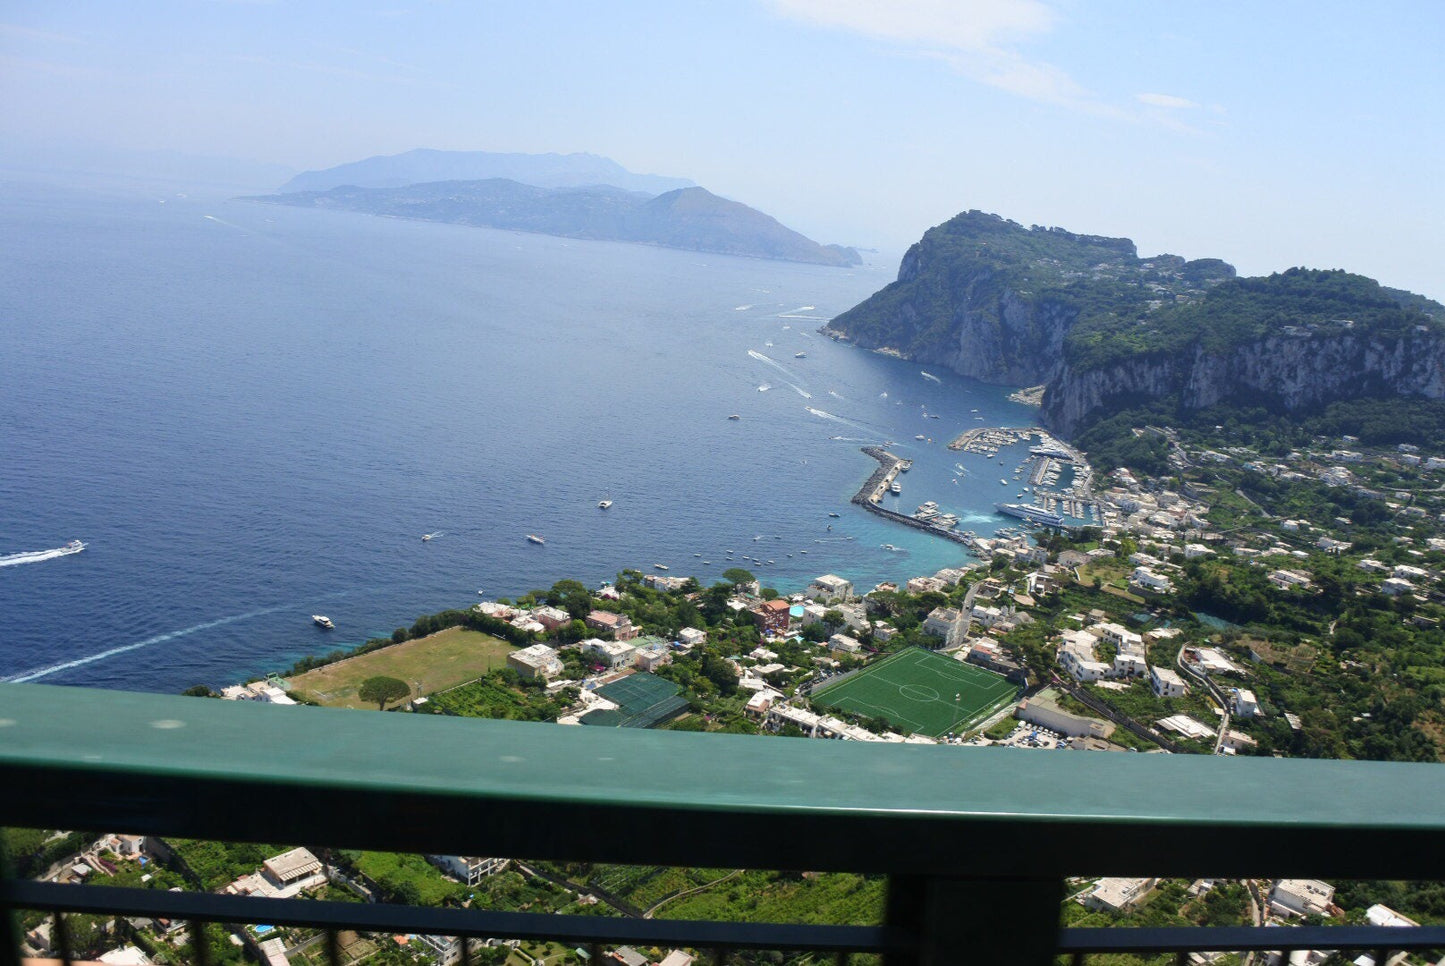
[[896, 488], [833, 515], [321, 620], [603, 504], [533, 538], [660, 566], [800, 355]]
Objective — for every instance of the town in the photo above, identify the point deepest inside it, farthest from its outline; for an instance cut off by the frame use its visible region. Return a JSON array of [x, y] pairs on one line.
[[1231, 602]]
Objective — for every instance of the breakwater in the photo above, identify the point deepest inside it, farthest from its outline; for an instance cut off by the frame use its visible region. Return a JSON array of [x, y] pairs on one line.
[[871, 492]]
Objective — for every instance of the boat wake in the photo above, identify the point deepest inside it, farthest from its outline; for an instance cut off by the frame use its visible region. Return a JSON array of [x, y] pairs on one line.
[[929, 375], [801, 391], [835, 395], [741, 308], [35, 675], [768, 360], [38, 556]]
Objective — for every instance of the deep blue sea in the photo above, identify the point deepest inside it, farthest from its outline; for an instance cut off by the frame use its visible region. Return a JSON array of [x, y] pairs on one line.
[[251, 414]]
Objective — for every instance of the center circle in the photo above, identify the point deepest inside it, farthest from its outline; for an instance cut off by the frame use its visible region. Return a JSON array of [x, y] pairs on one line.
[[918, 692]]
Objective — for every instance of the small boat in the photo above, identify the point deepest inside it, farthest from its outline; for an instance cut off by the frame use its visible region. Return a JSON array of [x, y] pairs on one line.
[[800, 355], [321, 620], [660, 566], [603, 504], [429, 536], [1003, 482], [697, 555], [533, 538], [833, 515], [735, 416], [920, 436], [896, 488]]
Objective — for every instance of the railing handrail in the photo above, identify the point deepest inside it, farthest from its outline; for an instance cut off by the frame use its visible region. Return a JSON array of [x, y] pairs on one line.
[[163, 764]]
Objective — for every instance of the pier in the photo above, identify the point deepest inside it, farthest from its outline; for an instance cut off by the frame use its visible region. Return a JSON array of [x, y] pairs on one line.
[[870, 495]]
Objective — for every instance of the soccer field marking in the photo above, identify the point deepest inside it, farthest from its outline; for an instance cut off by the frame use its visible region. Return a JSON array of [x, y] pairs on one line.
[[918, 692]]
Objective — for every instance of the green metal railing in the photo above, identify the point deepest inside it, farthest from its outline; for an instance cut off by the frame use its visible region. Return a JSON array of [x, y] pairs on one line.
[[977, 843]]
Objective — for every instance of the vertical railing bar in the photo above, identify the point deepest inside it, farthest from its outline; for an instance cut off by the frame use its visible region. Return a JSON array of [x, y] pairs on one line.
[[200, 942], [1182, 959], [720, 955], [841, 957], [62, 937], [10, 936], [1077, 959], [333, 947], [1382, 957], [466, 942]]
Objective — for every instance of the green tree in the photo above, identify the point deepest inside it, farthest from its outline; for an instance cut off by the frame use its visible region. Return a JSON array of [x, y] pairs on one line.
[[737, 576], [382, 689], [399, 635]]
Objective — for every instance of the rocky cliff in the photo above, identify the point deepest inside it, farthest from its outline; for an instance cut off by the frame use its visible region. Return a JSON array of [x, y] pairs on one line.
[[1106, 330]]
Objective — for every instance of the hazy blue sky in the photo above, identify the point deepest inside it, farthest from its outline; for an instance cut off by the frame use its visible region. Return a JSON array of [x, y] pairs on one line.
[[1271, 134]]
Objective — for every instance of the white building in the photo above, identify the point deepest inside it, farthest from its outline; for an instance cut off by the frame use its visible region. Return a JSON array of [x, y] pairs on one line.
[[1396, 586], [1245, 703], [468, 869], [1076, 655], [537, 661], [608, 653], [841, 645], [263, 691], [940, 621], [691, 636], [1117, 895], [829, 588], [1166, 682], [1151, 581], [1186, 726], [1301, 897]]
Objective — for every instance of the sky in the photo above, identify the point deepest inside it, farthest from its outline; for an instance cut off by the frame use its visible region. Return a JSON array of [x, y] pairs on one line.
[[1268, 134]]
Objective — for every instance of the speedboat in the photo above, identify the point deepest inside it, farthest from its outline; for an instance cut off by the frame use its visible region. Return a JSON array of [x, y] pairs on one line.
[[660, 566], [734, 416], [920, 436], [427, 536], [833, 515], [321, 620], [603, 504], [800, 355], [533, 538]]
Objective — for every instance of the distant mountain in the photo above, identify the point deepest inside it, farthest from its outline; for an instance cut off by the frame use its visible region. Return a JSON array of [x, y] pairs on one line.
[[424, 165], [688, 218], [1106, 330]]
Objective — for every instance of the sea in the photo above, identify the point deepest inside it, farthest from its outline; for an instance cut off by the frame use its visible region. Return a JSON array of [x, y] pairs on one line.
[[252, 414]]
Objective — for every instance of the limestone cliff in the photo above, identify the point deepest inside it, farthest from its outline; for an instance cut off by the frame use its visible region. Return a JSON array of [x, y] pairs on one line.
[[1107, 330]]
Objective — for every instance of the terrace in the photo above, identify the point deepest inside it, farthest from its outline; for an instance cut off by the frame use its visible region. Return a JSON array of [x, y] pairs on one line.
[[977, 843]]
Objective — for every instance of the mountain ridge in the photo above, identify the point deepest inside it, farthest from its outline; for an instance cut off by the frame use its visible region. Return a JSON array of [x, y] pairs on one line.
[[690, 218], [423, 165]]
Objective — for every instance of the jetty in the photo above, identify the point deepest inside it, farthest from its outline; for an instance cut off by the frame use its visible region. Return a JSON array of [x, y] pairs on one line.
[[870, 497]]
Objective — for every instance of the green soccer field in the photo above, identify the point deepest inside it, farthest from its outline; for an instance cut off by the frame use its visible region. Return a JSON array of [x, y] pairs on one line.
[[922, 692]]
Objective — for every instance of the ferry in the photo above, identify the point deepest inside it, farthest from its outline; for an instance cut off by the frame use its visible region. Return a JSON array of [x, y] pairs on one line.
[[321, 620], [1031, 513], [533, 538]]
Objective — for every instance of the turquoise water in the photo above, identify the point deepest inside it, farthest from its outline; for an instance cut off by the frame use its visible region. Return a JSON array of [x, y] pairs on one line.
[[252, 415]]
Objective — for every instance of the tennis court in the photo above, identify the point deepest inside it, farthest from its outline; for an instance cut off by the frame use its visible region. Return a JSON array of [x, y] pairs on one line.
[[643, 701], [921, 692]]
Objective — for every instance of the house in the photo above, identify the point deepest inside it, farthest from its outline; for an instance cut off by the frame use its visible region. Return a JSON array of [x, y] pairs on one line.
[[1118, 895], [940, 621], [691, 636], [1301, 897], [829, 588], [1237, 741], [771, 616], [758, 705], [610, 654], [649, 654], [536, 662], [1245, 705], [1129, 661], [841, 645], [1209, 660], [551, 617], [606, 622], [988, 654], [1076, 655], [1166, 682], [468, 869], [922, 585], [267, 692], [1285, 579], [1396, 586], [1117, 635], [1071, 559], [1195, 550], [1186, 726]]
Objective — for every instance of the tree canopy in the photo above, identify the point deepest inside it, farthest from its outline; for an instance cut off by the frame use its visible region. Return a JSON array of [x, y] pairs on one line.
[[382, 690]]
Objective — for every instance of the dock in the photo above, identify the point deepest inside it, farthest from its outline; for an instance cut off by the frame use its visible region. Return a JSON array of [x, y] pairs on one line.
[[870, 496]]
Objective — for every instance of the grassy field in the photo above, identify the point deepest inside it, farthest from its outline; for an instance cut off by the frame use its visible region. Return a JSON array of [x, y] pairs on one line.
[[921, 692], [442, 660]]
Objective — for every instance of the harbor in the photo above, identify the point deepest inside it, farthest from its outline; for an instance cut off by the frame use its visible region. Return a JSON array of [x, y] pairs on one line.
[[1059, 477], [870, 497]]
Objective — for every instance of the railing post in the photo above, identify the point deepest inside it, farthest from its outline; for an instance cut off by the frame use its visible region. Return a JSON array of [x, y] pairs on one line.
[[976, 921], [9, 916]]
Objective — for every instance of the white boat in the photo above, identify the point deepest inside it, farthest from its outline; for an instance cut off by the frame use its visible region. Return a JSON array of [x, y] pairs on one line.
[[735, 416], [603, 504], [533, 538], [896, 488], [321, 620], [429, 536], [800, 355], [660, 566], [920, 436]]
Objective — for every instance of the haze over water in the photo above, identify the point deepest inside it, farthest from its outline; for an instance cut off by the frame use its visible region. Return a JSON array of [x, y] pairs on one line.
[[251, 414]]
